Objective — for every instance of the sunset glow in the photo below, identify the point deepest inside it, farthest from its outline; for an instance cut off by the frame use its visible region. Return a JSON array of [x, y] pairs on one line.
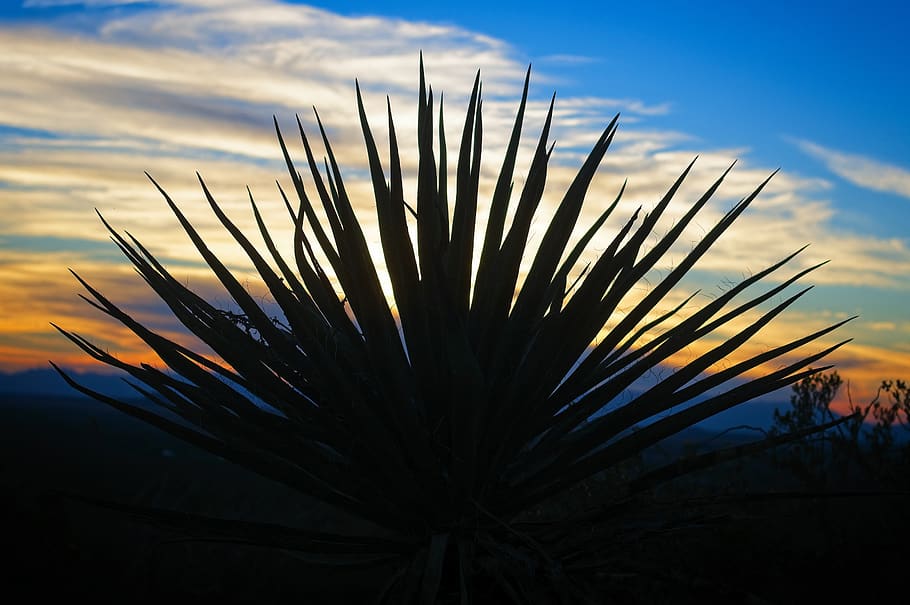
[[93, 94]]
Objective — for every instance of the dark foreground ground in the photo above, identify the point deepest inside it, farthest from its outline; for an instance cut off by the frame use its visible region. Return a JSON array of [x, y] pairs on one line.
[[837, 548]]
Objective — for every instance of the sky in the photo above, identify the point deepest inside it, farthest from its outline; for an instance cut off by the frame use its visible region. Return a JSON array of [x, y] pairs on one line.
[[94, 93]]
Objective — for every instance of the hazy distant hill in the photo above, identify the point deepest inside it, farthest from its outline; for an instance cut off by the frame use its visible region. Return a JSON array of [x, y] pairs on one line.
[[64, 434], [66, 439], [49, 382]]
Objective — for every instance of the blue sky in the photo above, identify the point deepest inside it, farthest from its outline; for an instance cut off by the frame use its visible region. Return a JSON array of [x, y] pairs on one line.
[[96, 92]]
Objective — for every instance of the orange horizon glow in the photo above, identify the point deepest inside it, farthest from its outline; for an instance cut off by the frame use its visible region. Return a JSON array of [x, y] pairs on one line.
[[194, 99], [861, 366]]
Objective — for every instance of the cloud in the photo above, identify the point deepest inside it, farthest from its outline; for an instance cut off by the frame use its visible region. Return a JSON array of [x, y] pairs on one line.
[[190, 85], [185, 85], [563, 59], [57, 3], [859, 169], [882, 326]]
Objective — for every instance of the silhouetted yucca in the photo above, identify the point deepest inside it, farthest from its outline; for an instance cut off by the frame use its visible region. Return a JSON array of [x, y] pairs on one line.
[[484, 399]]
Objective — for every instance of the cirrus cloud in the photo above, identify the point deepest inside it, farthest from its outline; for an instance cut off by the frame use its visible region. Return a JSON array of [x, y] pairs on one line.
[[859, 169], [183, 85]]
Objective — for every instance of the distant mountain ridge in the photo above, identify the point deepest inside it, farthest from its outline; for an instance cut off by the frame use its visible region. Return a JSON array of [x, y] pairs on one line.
[[48, 382]]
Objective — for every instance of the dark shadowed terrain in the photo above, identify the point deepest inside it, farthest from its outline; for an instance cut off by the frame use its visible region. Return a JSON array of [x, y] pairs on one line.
[[60, 455]]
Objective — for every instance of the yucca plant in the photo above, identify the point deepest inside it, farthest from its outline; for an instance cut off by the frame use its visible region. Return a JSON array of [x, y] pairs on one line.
[[481, 396]]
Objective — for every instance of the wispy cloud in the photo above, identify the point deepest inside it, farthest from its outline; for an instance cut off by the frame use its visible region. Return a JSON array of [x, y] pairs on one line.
[[56, 3], [567, 59], [859, 169], [183, 85], [186, 85]]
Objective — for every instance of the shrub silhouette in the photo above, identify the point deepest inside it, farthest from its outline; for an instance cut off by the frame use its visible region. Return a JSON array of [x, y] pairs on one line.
[[870, 446], [484, 399]]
